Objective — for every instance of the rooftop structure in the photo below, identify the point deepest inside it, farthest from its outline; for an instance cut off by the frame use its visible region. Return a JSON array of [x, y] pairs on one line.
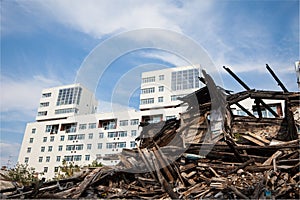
[[161, 88], [64, 101]]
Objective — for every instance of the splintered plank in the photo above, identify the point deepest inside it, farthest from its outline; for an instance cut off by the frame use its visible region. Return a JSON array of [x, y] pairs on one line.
[[82, 186], [163, 165], [165, 185], [254, 140], [274, 156], [259, 138], [194, 189]]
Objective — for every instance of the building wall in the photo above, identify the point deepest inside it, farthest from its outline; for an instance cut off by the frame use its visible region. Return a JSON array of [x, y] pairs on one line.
[[168, 91], [102, 155], [87, 103], [56, 132]]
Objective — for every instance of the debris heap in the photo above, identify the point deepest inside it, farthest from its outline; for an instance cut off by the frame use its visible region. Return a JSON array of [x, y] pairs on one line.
[[208, 153]]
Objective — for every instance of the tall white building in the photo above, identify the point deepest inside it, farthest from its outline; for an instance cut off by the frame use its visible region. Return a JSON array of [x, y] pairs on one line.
[[67, 127], [161, 88], [65, 101]]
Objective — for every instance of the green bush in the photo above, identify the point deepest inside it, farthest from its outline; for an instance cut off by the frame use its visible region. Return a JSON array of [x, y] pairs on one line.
[[24, 174]]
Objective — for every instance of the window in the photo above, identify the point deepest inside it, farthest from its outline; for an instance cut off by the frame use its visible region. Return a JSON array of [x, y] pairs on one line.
[[49, 148], [26, 159], [121, 144], [186, 79], [99, 145], [48, 128], [133, 133], [92, 125], [56, 169], [33, 130], [74, 147], [79, 147], [47, 158], [161, 88], [45, 95], [44, 139], [110, 145], [60, 147], [89, 146], [52, 129], [170, 117], [123, 123], [241, 113], [175, 97], [77, 158], [44, 104], [122, 134], [134, 122], [112, 134], [30, 140], [70, 147], [87, 157], [76, 137], [101, 135], [45, 169], [51, 138], [42, 149], [80, 137], [160, 99], [152, 118], [161, 77], [42, 113], [132, 144], [147, 101], [276, 107], [90, 135], [82, 126], [58, 158], [72, 158], [148, 90], [62, 138], [69, 128], [66, 110], [68, 158], [108, 124], [69, 96], [28, 149], [148, 79], [40, 159], [72, 137]]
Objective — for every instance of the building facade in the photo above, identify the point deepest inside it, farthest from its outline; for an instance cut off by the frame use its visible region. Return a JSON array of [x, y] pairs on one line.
[[68, 128]]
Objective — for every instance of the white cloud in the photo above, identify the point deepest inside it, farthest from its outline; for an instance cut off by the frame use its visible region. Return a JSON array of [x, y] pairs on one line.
[[23, 95], [98, 18], [230, 37], [166, 57]]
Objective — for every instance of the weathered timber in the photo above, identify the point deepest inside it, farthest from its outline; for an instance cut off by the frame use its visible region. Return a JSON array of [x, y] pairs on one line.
[[276, 78], [248, 162]]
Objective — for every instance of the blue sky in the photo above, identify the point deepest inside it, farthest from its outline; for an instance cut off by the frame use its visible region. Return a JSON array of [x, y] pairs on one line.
[[44, 43]]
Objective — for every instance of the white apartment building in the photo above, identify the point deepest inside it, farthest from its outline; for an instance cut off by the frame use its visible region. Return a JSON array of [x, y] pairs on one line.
[[65, 101], [67, 127], [161, 88]]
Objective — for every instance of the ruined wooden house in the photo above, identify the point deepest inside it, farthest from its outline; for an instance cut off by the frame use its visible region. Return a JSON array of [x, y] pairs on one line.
[[208, 153]]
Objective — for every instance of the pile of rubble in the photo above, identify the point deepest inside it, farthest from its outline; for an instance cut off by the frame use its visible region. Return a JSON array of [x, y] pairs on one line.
[[208, 153]]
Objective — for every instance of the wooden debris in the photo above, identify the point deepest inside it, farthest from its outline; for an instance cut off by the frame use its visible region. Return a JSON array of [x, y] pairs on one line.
[[250, 158]]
